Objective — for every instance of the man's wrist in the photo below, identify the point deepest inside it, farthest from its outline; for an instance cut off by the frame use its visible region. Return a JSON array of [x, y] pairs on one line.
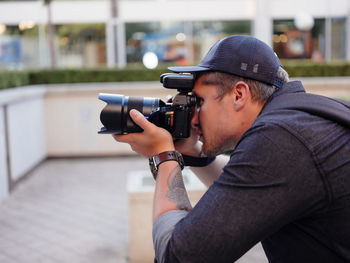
[[162, 157]]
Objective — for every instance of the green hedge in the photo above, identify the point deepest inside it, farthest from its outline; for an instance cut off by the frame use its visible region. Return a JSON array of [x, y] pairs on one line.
[[304, 69], [93, 75], [9, 79]]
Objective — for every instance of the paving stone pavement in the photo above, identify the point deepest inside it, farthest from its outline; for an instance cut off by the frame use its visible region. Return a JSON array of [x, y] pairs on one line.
[[73, 210]]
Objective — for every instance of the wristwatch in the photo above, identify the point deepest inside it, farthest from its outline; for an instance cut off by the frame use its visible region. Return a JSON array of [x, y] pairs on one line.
[[156, 160]]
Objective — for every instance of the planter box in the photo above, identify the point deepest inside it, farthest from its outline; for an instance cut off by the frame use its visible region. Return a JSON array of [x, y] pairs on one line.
[[140, 198]]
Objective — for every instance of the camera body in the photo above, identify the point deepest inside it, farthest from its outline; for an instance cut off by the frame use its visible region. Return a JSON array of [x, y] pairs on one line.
[[174, 116]]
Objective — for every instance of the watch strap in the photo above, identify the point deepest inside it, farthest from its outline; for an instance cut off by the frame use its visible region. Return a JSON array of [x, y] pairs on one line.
[[156, 160]]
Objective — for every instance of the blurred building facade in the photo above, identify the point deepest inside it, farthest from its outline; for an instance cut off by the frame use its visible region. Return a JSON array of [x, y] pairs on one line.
[[98, 33]]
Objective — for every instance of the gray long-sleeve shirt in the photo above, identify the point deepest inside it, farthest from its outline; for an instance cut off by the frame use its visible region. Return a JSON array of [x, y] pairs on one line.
[[287, 184]]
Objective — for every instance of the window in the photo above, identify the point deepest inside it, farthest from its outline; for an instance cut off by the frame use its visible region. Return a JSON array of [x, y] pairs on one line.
[[81, 45], [181, 43], [19, 48], [338, 34], [289, 42]]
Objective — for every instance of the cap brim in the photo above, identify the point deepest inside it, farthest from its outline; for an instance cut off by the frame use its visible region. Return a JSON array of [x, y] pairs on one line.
[[188, 69]]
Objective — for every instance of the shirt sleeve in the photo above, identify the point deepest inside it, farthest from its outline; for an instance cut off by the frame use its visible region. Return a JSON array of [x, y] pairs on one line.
[[261, 189], [162, 230]]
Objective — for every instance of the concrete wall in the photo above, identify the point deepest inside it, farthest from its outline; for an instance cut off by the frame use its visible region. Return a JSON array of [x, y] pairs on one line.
[[73, 117], [26, 135], [4, 189], [22, 133], [37, 122]]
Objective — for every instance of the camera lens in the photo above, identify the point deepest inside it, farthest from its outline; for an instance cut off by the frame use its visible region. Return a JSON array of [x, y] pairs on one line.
[[115, 116]]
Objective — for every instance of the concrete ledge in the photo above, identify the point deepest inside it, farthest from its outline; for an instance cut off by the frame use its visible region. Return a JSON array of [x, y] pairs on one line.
[[20, 94], [98, 86], [328, 86]]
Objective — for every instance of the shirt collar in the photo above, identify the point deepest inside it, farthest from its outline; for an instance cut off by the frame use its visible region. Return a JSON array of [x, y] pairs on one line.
[[290, 87]]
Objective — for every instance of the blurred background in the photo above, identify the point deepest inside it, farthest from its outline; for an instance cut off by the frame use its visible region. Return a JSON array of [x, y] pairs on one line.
[[76, 33], [68, 194]]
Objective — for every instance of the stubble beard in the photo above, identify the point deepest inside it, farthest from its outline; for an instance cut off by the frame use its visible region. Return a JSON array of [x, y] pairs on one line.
[[217, 146]]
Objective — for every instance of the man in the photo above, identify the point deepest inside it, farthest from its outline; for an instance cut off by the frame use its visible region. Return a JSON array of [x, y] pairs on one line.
[[286, 183]]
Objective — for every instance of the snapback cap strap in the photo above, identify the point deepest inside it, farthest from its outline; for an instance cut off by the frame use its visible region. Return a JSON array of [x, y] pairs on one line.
[[278, 83]]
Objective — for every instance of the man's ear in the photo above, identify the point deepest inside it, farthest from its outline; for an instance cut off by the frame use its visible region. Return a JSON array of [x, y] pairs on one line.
[[240, 94]]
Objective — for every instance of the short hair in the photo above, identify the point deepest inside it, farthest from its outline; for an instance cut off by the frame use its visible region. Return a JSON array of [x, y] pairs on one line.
[[260, 91]]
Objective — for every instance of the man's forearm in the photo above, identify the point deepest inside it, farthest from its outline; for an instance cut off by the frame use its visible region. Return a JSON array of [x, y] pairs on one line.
[[208, 174], [170, 192]]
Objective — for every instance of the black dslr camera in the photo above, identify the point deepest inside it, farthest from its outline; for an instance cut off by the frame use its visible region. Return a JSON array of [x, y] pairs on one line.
[[174, 117]]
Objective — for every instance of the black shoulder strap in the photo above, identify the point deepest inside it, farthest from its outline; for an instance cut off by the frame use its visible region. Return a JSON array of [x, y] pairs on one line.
[[327, 108]]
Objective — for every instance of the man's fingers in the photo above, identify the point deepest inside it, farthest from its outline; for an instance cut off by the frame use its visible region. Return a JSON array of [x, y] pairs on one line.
[[139, 119]]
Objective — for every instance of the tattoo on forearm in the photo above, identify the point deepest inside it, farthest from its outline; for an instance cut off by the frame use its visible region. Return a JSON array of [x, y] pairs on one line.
[[177, 192]]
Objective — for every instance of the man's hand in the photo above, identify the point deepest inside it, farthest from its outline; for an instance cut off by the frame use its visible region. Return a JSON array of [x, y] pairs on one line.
[[153, 140], [190, 146]]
